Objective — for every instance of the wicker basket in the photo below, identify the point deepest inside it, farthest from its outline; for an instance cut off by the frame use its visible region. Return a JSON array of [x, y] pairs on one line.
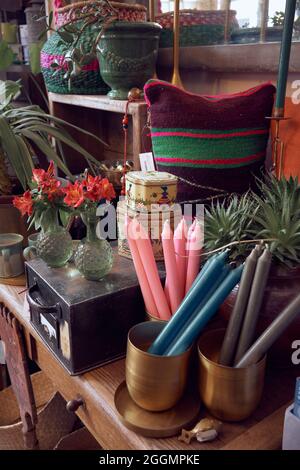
[[75, 11], [89, 80], [197, 27], [54, 421]]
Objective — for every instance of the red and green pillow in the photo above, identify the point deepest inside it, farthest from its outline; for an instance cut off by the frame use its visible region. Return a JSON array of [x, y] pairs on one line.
[[213, 141]]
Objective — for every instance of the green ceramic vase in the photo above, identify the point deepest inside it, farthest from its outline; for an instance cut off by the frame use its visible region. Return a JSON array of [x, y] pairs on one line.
[[127, 54]]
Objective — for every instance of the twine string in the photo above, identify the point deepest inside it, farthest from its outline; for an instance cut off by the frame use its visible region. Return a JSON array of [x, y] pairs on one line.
[[222, 248]]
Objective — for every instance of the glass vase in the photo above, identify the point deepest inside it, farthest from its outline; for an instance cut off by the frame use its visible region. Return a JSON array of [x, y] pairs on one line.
[[94, 256], [54, 243]]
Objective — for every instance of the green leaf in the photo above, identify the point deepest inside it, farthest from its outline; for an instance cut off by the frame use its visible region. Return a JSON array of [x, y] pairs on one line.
[[65, 216], [9, 90], [66, 37], [11, 148]]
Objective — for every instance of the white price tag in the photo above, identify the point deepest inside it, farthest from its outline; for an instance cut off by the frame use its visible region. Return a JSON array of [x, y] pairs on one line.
[[147, 161]]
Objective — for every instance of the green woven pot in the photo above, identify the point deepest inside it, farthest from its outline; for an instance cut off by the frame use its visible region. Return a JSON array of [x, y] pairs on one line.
[[88, 81], [127, 53]]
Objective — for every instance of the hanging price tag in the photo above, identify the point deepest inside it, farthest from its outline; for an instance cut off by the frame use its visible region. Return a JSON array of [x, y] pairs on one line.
[[147, 161]]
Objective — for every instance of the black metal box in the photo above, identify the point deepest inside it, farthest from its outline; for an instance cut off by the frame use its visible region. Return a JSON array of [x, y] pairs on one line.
[[84, 323]]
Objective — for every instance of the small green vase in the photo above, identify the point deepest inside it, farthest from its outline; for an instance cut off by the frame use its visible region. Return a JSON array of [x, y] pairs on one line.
[[127, 54], [54, 243], [94, 256]]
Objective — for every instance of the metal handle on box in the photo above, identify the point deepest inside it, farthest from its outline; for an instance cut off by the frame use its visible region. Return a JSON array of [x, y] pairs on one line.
[[44, 309]]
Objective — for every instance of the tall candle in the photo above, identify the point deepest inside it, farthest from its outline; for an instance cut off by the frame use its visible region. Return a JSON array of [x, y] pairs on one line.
[[222, 275], [140, 272], [146, 254], [254, 304], [171, 267], [284, 60], [187, 307], [271, 334], [180, 239], [237, 315], [195, 242], [205, 313]]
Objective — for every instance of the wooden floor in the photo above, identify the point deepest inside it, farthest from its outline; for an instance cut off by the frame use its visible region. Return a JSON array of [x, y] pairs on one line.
[[263, 431]]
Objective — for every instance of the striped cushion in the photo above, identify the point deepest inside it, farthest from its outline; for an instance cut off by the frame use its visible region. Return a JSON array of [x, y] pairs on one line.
[[215, 141]]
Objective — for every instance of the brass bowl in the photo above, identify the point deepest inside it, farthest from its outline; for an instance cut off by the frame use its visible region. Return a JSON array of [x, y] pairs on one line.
[[229, 394], [150, 317], [155, 383]]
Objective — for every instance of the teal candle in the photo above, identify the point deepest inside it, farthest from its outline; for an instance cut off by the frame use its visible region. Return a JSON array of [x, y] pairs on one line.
[[285, 52], [195, 295], [223, 274], [205, 313]]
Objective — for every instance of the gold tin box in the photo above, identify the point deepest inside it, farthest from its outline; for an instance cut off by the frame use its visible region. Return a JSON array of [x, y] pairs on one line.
[[145, 188]]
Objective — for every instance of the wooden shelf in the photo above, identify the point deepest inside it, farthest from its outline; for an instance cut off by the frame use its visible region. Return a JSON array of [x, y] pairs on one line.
[[101, 102], [257, 58], [102, 116]]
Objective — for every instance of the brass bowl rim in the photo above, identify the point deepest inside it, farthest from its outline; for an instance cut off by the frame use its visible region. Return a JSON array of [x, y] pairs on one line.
[[145, 353], [215, 364], [152, 318]]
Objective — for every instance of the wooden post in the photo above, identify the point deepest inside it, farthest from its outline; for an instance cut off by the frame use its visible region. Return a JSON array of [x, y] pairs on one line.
[[264, 16], [227, 4]]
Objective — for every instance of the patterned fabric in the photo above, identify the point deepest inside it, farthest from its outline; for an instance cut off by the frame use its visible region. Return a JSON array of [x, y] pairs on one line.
[[216, 141]]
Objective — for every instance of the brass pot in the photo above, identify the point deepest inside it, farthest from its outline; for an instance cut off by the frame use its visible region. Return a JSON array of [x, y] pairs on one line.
[[155, 383], [150, 317], [229, 394]]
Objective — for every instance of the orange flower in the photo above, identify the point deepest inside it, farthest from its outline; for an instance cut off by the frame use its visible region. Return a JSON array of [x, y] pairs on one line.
[[24, 203], [74, 194], [93, 188], [52, 189], [41, 176], [108, 191]]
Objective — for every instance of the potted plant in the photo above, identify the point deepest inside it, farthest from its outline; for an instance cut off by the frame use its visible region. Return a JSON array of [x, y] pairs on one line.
[[24, 131], [126, 50], [273, 216]]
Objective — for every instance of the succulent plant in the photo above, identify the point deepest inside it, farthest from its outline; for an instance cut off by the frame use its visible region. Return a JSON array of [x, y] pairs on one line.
[[278, 218], [229, 222], [274, 216]]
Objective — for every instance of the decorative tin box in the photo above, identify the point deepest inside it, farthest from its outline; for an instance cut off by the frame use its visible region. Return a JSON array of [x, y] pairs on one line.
[[144, 188], [84, 323], [152, 222]]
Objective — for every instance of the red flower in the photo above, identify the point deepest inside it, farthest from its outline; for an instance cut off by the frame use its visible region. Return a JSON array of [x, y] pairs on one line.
[[24, 203], [74, 194], [108, 191]]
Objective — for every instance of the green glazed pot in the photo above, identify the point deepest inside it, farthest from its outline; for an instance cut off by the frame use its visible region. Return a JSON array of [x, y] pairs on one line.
[[127, 54]]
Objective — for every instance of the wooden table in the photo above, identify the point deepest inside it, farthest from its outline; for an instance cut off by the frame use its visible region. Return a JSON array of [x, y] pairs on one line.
[[261, 432]]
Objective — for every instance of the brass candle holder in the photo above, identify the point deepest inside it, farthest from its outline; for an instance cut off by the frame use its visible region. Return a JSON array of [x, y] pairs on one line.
[[229, 394], [155, 383]]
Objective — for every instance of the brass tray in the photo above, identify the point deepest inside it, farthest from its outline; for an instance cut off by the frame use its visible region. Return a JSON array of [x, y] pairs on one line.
[[157, 424]]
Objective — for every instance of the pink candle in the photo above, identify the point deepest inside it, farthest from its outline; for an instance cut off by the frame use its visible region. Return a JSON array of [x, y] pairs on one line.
[[140, 272], [180, 240], [146, 254], [171, 267], [195, 242]]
